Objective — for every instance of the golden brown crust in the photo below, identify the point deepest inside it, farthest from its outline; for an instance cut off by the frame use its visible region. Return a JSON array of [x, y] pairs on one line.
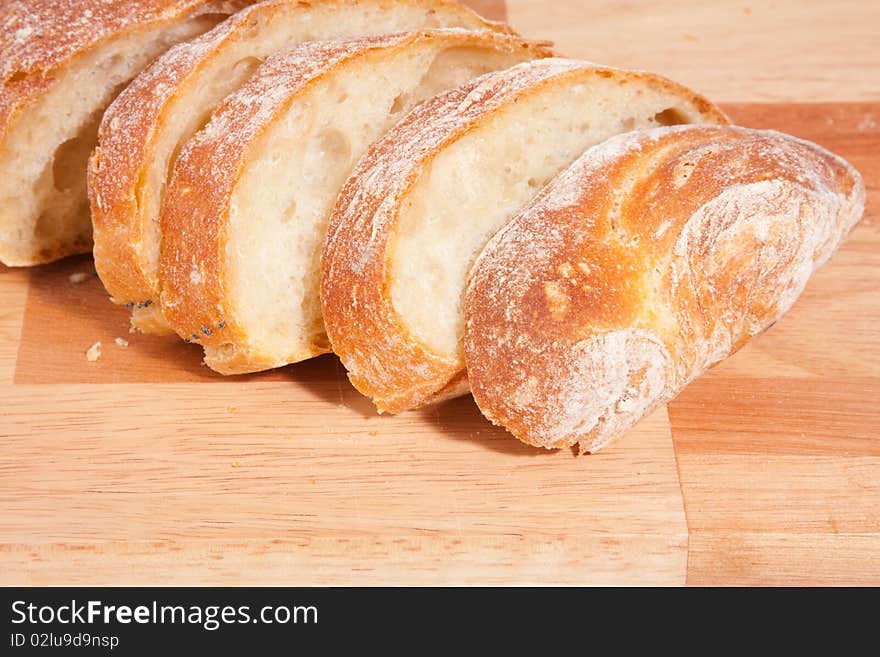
[[134, 122], [654, 256], [195, 212], [384, 360]]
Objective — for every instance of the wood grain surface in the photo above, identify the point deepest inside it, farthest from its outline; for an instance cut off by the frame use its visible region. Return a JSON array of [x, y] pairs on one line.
[[146, 468], [731, 50]]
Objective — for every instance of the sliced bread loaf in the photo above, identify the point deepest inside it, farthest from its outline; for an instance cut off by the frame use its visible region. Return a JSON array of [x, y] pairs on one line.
[[245, 212], [145, 129], [61, 63], [424, 200], [653, 257]]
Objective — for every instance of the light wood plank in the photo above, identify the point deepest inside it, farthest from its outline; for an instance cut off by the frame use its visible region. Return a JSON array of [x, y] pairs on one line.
[[90, 466], [63, 319], [13, 296], [731, 50], [794, 494], [391, 559], [764, 559], [725, 413]]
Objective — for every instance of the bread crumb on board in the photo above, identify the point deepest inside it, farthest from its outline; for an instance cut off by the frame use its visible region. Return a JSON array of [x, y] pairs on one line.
[[121, 342], [78, 277], [94, 352]]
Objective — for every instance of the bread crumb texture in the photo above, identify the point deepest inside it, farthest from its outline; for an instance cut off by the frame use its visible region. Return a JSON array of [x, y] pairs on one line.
[[78, 277], [94, 352]]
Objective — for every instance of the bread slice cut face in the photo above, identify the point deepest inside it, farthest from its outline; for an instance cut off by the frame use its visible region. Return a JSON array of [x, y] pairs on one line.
[[147, 126], [245, 213], [425, 199], [61, 64]]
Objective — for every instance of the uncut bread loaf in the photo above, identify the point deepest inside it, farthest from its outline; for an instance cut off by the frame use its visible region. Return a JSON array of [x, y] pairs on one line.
[[423, 202], [654, 256], [147, 126], [245, 213], [61, 63]]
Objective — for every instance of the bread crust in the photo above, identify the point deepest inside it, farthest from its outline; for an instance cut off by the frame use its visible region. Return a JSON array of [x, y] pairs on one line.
[[384, 360], [40, 38], [650, 259], [131, 128], [196, 210]]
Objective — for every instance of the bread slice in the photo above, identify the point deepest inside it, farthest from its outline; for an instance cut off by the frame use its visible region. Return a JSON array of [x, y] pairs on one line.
[[653, 257], [245, 213], [423, 202], [144, 130], [61, 63]]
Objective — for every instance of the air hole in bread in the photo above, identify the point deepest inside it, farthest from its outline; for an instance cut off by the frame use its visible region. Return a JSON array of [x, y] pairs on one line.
[[212, 19], [670, 116], [399, 103], [431, 19], [452, 66], [244, 68], [321, 341], [290, 213], [334, 146], [114, 63], [71, 157]]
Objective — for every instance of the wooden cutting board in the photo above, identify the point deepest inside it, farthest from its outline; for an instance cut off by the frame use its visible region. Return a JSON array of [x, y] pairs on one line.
[[146, 468]]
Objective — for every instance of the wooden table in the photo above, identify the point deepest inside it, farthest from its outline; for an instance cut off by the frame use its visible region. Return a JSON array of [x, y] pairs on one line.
[[145, 468]]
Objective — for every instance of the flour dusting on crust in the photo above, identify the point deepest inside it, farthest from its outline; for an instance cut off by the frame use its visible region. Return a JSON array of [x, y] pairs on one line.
[[612, 380], [696, 238]]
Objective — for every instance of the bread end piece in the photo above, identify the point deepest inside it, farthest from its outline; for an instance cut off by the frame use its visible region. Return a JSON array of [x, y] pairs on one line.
[[653, 257]]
